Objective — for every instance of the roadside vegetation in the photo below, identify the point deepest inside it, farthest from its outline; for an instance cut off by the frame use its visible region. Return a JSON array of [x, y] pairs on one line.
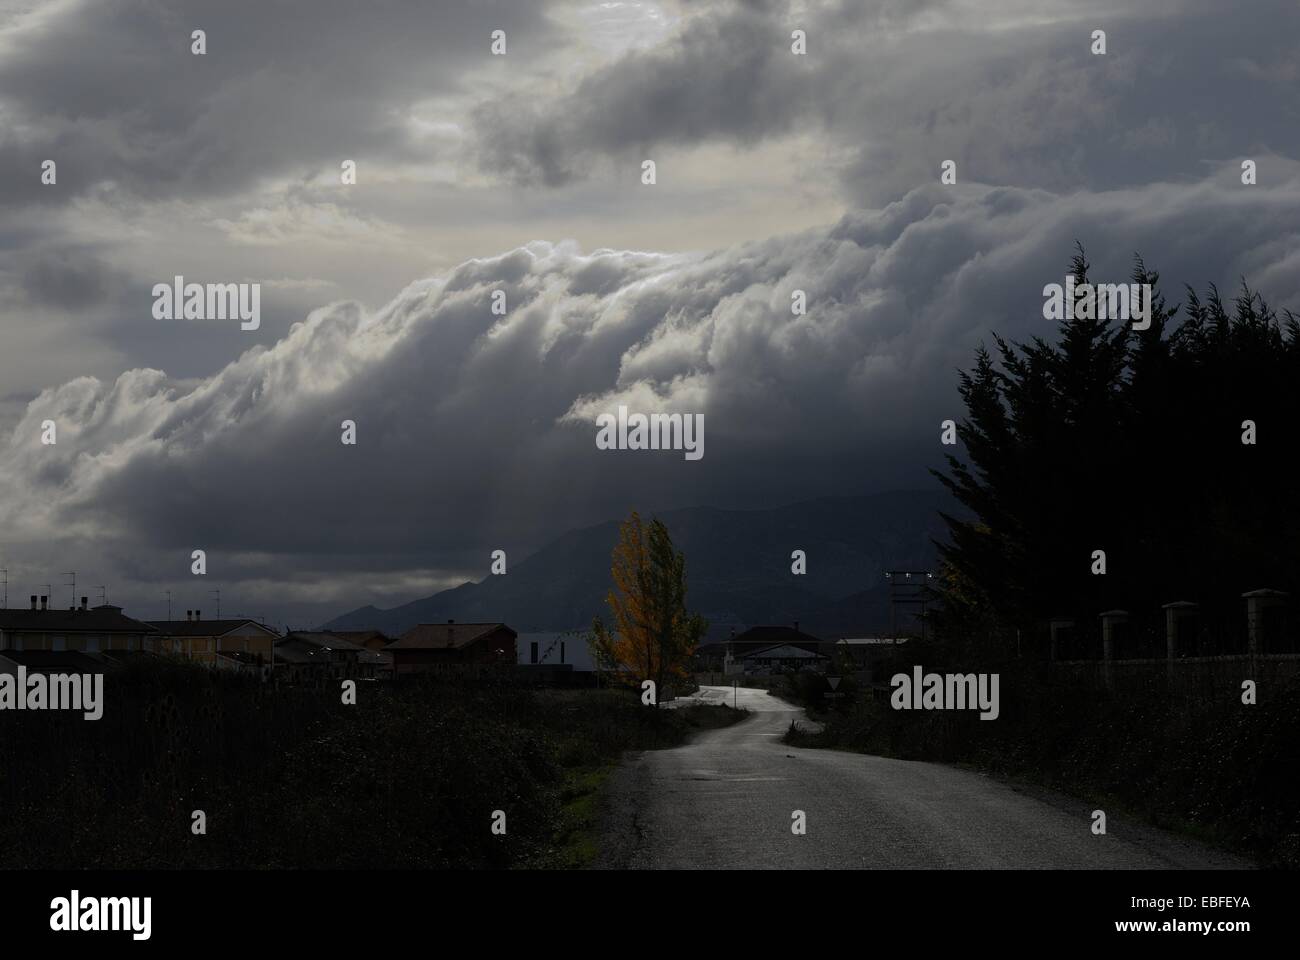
[[1117, 469], [424, 773], [1217, 773], [408, 777]]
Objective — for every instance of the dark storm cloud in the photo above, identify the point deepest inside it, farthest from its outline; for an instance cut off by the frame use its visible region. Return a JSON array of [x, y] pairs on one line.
[[725, 77], [477, 431], [890, 95], [69, 278], [110, 90], [159, 152]]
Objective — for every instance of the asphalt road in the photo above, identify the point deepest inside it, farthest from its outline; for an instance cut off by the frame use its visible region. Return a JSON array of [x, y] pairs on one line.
[[726, 800]]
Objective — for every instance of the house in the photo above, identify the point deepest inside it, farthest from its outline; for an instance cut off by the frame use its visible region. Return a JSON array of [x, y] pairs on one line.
[[81, 629], [727, 654], [370, 639], [202, 640], [783, 656], [302, 655], [239, 661], [434, 647]]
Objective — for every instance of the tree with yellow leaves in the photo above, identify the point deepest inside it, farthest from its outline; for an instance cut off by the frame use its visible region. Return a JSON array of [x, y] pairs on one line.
[[653, 636]]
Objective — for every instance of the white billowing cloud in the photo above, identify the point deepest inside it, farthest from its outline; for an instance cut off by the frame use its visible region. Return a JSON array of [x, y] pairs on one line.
[[476, 431]]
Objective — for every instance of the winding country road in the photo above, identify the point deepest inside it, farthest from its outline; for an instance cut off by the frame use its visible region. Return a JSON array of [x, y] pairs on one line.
[[726, 801]]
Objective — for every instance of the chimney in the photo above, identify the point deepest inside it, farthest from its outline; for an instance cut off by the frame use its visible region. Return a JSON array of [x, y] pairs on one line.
[[196, 615], [189, 615], [33, 601], [45, 603], [84, 602], [796, 626]]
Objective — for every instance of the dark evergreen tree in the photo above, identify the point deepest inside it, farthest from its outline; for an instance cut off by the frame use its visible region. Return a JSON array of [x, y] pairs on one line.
[[1129, 442]]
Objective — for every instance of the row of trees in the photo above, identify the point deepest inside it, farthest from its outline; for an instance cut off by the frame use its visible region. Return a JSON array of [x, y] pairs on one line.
[[1169, 449]]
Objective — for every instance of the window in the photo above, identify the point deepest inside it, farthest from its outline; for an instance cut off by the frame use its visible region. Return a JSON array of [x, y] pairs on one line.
[[532, 652], [60, 643]]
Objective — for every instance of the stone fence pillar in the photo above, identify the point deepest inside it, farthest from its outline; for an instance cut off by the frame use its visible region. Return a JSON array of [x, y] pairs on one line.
[[1175, 613], [1057, 624], [1109, 621], [1257, 601]]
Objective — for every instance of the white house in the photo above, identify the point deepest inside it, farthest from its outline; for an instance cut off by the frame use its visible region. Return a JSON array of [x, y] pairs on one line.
[[556, 648], [783, 656]]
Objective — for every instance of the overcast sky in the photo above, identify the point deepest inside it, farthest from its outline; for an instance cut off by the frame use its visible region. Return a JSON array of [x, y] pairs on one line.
[[522, 172]]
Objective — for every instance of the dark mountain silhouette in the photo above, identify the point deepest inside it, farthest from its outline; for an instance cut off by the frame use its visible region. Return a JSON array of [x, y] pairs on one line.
[[737, 568]]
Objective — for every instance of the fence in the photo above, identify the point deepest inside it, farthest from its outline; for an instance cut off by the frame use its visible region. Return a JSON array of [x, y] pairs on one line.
[[1186, 649], [1201, 678]]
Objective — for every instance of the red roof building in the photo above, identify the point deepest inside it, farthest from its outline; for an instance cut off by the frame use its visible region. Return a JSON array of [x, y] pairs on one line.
[[430, 647]]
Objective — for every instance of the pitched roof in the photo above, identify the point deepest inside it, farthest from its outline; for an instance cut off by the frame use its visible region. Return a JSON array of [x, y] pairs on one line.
[[106, 619], [771, 635], [784, 651], [445, 636], [204, 628], [308, 646], [319, 638], [295, 652], [358, 636]]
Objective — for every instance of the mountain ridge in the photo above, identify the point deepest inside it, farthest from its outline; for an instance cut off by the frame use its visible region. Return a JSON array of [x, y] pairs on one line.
[[738, 569]]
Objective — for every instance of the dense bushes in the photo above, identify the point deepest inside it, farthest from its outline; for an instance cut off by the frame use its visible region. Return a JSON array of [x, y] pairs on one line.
[[291, 777]]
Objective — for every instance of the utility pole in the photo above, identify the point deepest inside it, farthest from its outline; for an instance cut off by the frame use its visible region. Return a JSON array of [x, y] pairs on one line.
[[169, 606], [907, 586]]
